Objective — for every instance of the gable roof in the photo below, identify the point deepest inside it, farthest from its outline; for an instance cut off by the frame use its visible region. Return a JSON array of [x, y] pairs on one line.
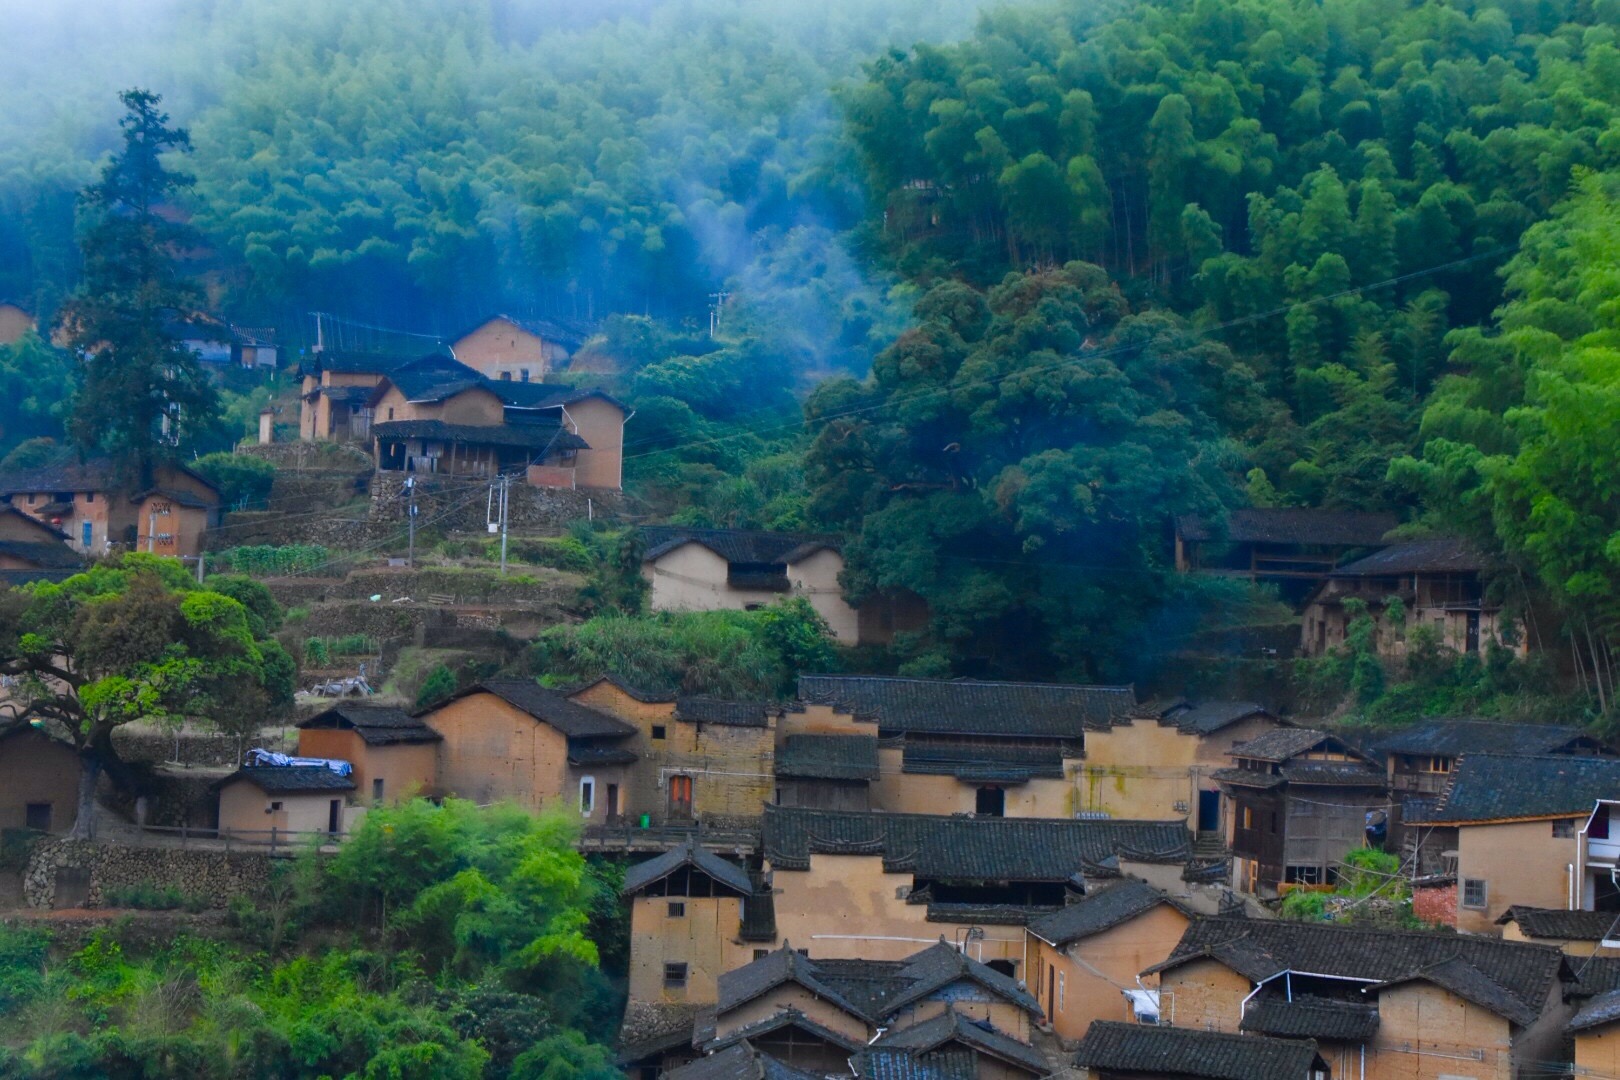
[[1285, 743], [1454, 737], [739, 1061], [829, 757], [1161, 1051], [746, 546], [779, 967], [1497, 787], [377, 725], [981, 1036], [711, 710], [647, 697], [1447, 555], [544, 437], [691, 854], [1102, 910], [549, 707], [357, 363], [1208, 717], [1559, 925], [1511, 979], [942, 965], [1305, 1016], [969, 707], [1600, 1010], [98, 474], [974, 761], [569, 333], [967, 848], [290, 779], [1292, 525]]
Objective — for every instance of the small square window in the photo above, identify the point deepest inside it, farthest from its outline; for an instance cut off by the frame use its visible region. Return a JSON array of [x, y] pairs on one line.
[[89, 496], [1563, 829], [674, 976], [275, 808], [677, 910], [658, 731], [1474, 892]]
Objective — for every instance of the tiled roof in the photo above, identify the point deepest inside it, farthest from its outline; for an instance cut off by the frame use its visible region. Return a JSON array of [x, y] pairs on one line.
[[777, 968], [526, 436], [963, 848], [569, 333], [691, 854], [968, 707], [532, 396], [976, 761], [893, 1063], [942, 965], [1110, 1046], [978, 1035], [357, 363], [651, 1028], [1280, 744], [597, 754], [1454, 737], [1443, 556], [1292, 525], [745, 546], [1098, 911], [1493, 787], [1310, 1017], [291, 779], [1559, 925], [1509, 978], [550, 707], [740, 1061], [708, 710], [377, 725], [1600, 1010], [1594, 975], [434, 378], [829, 757], [1208, 717], [44, 555], [782, 1018], [68, 475]]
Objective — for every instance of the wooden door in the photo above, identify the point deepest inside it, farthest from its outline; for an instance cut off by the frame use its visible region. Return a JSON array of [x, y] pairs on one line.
[[680, 798]]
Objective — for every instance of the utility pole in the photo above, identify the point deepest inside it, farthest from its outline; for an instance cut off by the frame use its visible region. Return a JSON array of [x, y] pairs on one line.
[[506, 497], [201, 558], [716, 307], [410, 517]]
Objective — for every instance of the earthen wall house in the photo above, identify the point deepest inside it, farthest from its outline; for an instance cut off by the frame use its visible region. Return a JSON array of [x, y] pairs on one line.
[[507, 348], [510, 740], [292, 802], [97, 512], [394, 755], [39, 782]]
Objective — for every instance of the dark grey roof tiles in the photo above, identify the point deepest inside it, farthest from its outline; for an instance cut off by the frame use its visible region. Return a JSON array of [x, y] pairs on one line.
[[777, 968], [1292, 525], [1113, 1047], [1600, 1010], [1522, 975], [1453, 737], [291, 779], [969, 707], [941, 965], [951, 1027], [736, 546], [976, 760], [963, 848], [894, 1063], [1281, 744], [1447, 555], [551, 707], [1492, 787], [828, 757], [709, 710], [525, 436], [1559, 925], [1102, 910], [1310, 1017], [1208, 717], [739, 1061], [377, 725], [691, 854]]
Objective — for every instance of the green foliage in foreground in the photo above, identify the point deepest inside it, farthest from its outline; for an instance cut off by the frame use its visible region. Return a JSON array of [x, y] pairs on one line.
[[733, 654], [442, 942]]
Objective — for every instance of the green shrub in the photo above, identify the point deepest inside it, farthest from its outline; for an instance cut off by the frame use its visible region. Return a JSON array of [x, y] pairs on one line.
[[439, 684], [315, 652], [145, 896], [270, 560], [242, 481]]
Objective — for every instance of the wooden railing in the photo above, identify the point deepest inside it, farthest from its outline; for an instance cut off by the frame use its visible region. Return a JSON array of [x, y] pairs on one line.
[[270, 841], [628, 835]]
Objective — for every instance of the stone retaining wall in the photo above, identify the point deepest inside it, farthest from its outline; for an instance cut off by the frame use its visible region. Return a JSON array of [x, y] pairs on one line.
[[215, 876]]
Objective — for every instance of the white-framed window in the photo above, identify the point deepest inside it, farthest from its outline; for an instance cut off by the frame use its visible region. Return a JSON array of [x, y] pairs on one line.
[[1475, 892], [587, 795]]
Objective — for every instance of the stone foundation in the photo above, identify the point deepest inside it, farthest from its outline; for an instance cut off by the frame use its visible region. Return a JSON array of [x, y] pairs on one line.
[[215, 876]]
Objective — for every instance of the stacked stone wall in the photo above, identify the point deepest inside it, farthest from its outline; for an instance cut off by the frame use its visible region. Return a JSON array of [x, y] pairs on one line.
[[212, 876]]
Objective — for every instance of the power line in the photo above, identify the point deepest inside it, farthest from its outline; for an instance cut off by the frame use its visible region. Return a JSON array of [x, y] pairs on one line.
[[1197, 334]]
